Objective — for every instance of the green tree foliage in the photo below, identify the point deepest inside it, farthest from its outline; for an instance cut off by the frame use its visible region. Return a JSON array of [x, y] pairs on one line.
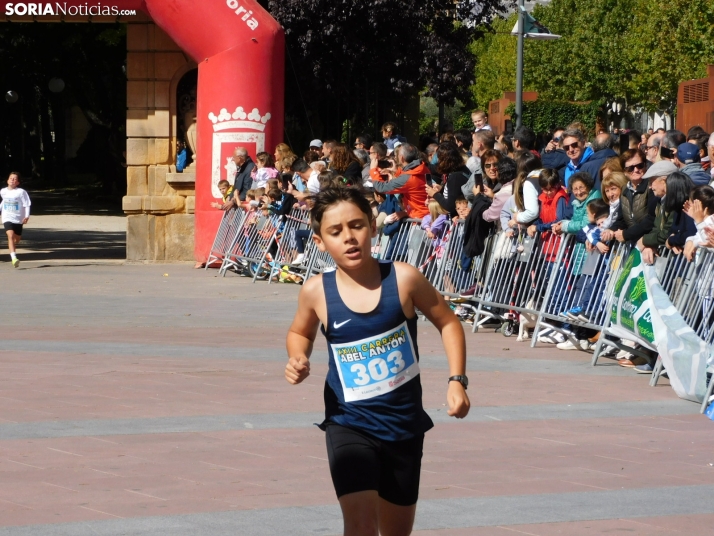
[[674, 41], [495, 70], [636, 50]]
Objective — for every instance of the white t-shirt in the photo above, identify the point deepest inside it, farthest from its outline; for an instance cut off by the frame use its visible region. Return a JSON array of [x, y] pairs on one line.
[[15, 205], [261, 178], [474, 164], [313, 183]]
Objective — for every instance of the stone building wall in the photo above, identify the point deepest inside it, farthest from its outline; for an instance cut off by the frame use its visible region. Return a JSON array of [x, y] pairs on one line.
[[159, 203]]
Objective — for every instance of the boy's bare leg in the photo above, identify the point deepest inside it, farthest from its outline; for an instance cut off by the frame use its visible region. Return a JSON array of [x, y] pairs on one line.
[[11, 241], [366, 514], [395, 520], [360, 512]]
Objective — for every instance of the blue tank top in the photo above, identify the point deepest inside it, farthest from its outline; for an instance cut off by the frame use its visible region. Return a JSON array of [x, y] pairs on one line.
[[373, 381]]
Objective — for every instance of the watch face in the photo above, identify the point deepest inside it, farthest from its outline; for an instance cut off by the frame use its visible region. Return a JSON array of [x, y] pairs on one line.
[[461, 379]]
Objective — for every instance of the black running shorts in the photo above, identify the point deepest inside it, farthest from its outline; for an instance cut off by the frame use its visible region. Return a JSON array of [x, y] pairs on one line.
[[361, 462], [17, 227]]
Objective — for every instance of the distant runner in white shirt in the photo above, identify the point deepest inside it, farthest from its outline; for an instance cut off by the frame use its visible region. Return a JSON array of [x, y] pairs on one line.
[[15, 213]]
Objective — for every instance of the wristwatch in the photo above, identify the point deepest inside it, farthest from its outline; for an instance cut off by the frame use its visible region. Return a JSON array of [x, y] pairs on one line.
[[463, 380]]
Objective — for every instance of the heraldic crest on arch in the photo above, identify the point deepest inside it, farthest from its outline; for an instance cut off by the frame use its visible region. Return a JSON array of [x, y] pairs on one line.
[[231, 130]]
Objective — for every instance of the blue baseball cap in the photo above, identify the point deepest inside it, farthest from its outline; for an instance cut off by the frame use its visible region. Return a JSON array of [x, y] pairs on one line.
[[688, 153]]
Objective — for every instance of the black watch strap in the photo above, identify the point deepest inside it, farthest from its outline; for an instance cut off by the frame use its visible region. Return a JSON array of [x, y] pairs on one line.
[[462, 379]]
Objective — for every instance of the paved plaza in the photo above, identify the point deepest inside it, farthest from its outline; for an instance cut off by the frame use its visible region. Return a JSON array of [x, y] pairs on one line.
[[150, 400]]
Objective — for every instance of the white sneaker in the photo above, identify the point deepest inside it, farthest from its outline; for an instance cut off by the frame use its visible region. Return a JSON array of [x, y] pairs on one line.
[[551, 338], [568, 345], [299, 259], [622, 354], [606, 350]]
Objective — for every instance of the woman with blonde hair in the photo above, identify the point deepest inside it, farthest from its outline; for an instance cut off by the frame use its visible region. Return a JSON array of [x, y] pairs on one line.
[[435, 222], [283, 150], [611, 189], [611, 165]]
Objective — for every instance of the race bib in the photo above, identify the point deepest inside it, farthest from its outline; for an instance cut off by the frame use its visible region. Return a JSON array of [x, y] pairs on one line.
[[376, 365], [11, 205]]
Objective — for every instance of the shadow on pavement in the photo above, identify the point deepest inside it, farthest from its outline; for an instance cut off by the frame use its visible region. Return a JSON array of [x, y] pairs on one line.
[[61, 244], [46, 203]]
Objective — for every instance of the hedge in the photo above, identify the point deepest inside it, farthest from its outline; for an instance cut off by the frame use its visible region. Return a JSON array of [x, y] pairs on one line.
[[543, 116]]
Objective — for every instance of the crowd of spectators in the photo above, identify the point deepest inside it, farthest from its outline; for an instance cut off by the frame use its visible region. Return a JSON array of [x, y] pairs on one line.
[[652, 190]]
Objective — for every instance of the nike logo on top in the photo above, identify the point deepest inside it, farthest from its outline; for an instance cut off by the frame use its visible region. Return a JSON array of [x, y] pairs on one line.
[[338, 326]]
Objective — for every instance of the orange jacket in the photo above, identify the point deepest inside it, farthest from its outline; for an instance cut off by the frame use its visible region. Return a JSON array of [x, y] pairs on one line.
[[411, 184]]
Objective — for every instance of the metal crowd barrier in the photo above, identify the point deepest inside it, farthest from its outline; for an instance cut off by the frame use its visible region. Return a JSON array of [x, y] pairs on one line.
[[581, 290], [250, 245], [513, 281], [696, 303], [459, 273], [553, 281], [409, 244], [690, 287], [318, 261], [669, 269], [296, 226], [697, 307], [230, 221]]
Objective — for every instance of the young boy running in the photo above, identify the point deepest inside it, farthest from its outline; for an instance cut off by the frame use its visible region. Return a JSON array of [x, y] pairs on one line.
[[374, 419], [15, 213]]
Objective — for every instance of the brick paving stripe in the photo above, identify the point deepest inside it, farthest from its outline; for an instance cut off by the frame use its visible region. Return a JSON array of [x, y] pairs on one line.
[[431, 515], [150, 400]]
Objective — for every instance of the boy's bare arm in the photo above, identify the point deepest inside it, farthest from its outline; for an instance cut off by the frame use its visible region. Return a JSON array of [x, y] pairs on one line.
[[302, 333], [428, 300]]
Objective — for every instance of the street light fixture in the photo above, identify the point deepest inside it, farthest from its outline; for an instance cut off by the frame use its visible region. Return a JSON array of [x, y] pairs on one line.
[[526, 27]]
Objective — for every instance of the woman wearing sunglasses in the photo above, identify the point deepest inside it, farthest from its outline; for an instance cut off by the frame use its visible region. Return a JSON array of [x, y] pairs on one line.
[[638, 203]]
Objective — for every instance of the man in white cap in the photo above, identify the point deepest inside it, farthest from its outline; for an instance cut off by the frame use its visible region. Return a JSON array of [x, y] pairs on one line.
[[638, 204], [316, 145]]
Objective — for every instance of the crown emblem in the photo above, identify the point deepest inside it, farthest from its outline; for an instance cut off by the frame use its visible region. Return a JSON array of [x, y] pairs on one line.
[[239, 119]]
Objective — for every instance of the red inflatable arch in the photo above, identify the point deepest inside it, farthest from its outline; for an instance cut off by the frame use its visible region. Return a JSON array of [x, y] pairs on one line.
[[240, 52]]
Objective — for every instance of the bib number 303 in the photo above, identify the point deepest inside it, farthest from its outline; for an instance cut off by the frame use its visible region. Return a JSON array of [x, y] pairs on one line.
[[376, 365], [378, 369]]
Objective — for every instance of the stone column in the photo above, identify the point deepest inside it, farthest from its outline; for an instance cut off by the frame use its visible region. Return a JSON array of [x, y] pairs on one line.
[[160, 212]]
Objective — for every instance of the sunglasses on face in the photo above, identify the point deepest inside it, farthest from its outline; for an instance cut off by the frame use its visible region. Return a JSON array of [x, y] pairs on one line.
[[572, 146], [489, 166], [632, 168]]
